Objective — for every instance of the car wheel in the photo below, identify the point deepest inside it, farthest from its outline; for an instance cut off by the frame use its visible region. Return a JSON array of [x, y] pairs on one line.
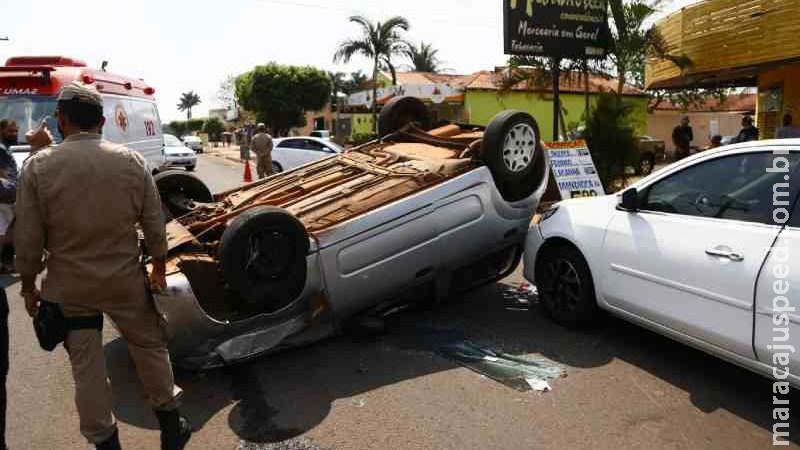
[[190, 168], [276, 168], [514, 154], [647, 163], [399, 112], [180, 191], [263, 257], [566, 288]]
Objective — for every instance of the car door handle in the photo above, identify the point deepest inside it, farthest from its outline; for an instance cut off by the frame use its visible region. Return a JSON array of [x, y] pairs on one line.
[[724, 252]]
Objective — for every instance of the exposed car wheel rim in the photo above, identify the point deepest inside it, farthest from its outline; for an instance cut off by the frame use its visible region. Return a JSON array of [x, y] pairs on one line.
[[519, 147], [562, 292]]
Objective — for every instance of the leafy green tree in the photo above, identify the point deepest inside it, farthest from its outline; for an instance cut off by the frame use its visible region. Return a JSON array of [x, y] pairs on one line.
[[611, 138], [355, 83], [188, 101], [423, 57], [195, 124], [338, 85], [281, 95], [378, 41], [177, 127], [214, 128]]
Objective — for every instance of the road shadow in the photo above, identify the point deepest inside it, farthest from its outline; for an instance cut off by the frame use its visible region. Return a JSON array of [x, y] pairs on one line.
[[282, 396]]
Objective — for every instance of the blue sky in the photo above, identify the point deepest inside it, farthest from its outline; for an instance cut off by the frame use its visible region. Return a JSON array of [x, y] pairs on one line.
[[179, 45]]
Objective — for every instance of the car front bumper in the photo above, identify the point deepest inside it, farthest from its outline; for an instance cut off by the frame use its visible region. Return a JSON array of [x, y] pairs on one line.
[[533, 243], [180, 161]]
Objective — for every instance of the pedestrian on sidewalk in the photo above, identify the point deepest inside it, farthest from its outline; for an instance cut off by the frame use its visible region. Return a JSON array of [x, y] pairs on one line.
[[262, 147], [244, 145], [92, 265]]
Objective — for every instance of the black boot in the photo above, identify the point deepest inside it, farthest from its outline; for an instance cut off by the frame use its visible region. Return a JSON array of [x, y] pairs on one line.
[[111, 443], [175, 430]]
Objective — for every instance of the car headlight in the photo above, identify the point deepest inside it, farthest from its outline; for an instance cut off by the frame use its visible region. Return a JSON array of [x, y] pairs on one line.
[[546, 214]]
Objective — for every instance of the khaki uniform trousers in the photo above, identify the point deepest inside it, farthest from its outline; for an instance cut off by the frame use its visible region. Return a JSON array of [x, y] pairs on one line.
[[264, 165], [140, 326]]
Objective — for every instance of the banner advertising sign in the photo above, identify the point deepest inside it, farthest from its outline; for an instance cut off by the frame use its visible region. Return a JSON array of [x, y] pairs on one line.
[[573, 169], [560, 28]]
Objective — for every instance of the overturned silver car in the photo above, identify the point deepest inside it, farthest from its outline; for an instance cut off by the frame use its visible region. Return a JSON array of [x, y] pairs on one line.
[[292, 259]]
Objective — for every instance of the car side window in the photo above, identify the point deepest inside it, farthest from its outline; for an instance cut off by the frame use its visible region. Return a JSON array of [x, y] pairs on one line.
[[314, 145], [291, 143], [736, 187], [794, 221]]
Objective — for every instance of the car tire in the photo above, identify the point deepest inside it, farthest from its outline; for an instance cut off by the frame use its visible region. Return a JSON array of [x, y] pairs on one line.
[[399, 112], [190, 168], [180, 191], [276, 168], [263, 257], [566, 288], [513, 152]]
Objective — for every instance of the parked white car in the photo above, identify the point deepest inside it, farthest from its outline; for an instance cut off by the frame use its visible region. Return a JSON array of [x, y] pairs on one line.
[[693, 252], [177, 154], [288, 153], [194, 142]]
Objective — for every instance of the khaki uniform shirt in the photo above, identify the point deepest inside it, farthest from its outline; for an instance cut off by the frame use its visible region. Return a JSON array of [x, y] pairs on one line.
[[81, 201], [262, 144]]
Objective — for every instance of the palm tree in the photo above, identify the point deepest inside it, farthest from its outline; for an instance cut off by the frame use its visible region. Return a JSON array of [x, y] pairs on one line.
[[633, 41], [188, 101], [423, 57], [356, 82], [338, 84], [378, 42]]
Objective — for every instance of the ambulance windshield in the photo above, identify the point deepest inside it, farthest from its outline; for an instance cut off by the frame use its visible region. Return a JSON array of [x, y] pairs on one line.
[[28, 112]]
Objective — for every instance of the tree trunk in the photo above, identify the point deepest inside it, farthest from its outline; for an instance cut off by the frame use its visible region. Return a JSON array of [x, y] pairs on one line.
[[375, 97], [189, 114]]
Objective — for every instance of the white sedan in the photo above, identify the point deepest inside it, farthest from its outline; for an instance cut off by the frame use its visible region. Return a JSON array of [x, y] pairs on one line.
[[177, 154], [288, 153], [704, 251]]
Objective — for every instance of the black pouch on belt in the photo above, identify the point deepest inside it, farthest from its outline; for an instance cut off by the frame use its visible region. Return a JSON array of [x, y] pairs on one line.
[[52, 326]]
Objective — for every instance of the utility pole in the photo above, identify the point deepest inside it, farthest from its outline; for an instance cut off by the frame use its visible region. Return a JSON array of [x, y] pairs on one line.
[[556, 96]]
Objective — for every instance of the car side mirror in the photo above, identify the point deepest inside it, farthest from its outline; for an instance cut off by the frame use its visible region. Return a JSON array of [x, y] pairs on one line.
[[630, 200]]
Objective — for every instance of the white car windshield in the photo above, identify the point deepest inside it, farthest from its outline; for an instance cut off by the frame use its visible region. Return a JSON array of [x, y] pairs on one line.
[[172, 141]]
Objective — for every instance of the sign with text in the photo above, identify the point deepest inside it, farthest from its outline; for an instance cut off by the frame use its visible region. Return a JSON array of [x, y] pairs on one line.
[[560, 28], [573, 169]]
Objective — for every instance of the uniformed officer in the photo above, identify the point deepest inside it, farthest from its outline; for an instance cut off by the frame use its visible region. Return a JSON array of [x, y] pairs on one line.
[[262, 147], [81, 202]]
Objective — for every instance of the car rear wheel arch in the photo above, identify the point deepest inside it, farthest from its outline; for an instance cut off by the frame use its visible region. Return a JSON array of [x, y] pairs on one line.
[[564, 257]]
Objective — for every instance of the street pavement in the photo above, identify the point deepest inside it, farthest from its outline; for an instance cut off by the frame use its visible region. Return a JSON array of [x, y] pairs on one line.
[[625, 387]]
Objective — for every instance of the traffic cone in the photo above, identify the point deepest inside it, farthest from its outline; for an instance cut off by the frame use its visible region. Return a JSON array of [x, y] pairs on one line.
[[248, 174]]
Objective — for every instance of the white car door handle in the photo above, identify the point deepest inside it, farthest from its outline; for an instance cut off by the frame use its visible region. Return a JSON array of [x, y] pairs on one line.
[[725, 252]]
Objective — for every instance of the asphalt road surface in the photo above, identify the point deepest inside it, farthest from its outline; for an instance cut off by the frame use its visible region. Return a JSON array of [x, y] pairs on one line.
[[625, 387]]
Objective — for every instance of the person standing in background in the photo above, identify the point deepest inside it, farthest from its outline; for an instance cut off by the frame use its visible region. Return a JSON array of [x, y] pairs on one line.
[[682, 137], [262, 147], [788, 130], [748, 132]]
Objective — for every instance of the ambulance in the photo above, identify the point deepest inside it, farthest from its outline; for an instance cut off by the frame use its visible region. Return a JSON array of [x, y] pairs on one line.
[[29, 86]]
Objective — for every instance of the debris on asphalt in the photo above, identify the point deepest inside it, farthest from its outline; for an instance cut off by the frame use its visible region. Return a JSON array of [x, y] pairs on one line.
[[291, 444], [520, 374], [517, 373], [359, 402]]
